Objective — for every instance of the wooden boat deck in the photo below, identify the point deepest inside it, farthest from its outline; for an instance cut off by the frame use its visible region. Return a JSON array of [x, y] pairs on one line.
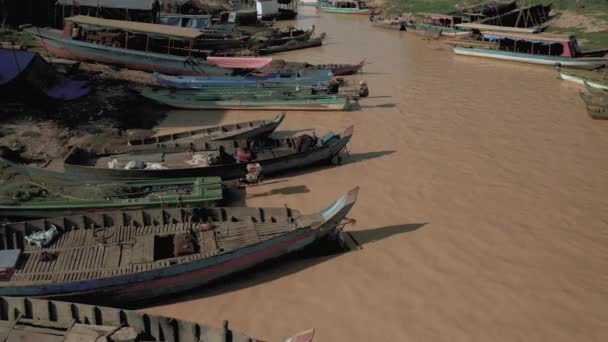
[[30, 319], [178, 158], [90, 253]]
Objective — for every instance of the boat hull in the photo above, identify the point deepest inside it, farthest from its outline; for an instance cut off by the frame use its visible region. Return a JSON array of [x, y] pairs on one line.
[[145, 286], [270, 167], [131, 59], [331, 103], [580, 63], [263, 128], [582, 80], [354, 11]]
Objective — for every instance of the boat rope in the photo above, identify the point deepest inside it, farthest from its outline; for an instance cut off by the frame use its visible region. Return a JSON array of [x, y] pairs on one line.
[[346, 221]]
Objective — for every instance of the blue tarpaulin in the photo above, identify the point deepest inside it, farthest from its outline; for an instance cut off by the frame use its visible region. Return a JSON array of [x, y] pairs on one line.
[[12, 63], [32, 70]]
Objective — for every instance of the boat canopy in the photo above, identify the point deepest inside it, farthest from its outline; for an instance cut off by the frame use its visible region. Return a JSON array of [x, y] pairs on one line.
[[136, 27], [532, 38], [146, 5]]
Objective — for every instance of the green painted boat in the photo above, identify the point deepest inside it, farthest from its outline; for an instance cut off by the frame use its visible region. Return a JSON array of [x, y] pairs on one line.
[[143, 194], [188, 100], [228, 93], [345, 7]]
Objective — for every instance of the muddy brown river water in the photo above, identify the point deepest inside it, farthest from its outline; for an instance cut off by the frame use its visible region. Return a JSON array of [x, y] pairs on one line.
[[482, 214]]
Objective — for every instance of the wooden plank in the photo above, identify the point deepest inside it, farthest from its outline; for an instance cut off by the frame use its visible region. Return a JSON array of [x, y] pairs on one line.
[[143, 251], [112, 256]]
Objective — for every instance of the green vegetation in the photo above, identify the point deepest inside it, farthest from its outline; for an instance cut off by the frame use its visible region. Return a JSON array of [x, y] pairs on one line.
[[596, 10], [587, 40], [21, 37]]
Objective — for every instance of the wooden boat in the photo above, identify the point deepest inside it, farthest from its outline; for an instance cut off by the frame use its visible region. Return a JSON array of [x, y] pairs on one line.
[[289, 35], [595, 99], [555, 50], [107, 47], [285, 102], [345, 7], [236, 131], [292, 45], [136, 256], [582, 80], [588, 63], [339, 69], [442, 23], [165, 193], [34, 319], [483, 27], [275, 156], [451, 32], [240, 93], [596, 112], [197, 82]]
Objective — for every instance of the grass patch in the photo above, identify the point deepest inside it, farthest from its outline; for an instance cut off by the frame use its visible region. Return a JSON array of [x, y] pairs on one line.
[[587, 40], [444, 6]]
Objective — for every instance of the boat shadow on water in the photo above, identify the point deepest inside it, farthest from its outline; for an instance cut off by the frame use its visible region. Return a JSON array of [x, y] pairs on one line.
[[288, 190], [357, 107], [324, 250]]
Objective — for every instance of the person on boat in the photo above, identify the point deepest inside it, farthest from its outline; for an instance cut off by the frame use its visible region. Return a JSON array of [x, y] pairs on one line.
[[75, 32], [243, 155], [363, 89], [305, 142]]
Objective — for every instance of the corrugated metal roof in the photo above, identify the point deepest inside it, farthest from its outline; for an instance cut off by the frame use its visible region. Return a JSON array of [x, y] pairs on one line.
[[130, 26], [126, 4]]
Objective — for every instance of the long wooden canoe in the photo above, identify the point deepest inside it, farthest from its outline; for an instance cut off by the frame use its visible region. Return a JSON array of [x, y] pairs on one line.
[[144, 194], [286, 102], [78, 50], [588, 63], [236, 131], [197, 82], [136, 256], [35, 319], [180, 160], [292, 45]]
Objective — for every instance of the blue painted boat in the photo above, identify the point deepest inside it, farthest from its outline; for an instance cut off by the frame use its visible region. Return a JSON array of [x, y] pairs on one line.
[[197, 82], [121, 257]]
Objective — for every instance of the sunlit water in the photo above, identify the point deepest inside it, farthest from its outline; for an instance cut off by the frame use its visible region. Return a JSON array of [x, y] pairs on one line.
[[500, 163]]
